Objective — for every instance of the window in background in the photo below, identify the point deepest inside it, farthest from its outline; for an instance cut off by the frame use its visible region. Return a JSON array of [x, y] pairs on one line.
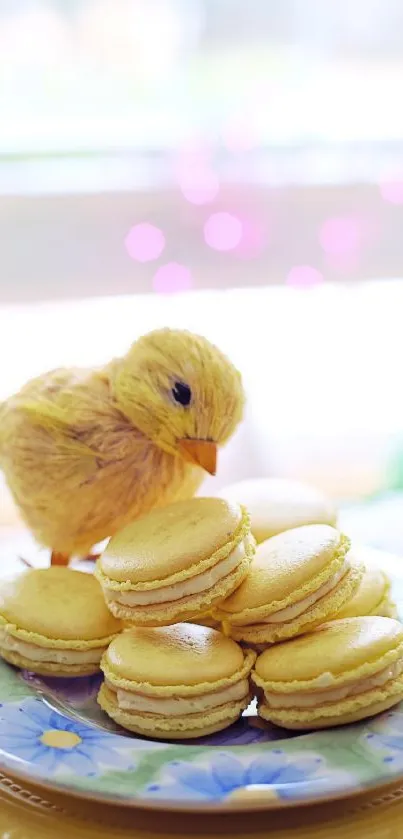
[[245, 143], [149, 147], [100, 75]]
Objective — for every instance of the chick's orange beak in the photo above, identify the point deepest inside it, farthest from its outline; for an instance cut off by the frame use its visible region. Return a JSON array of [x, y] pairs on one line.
[[202, 452]]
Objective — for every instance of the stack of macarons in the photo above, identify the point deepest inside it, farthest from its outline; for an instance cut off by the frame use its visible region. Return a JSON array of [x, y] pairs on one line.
[[166, 584], [163, 677], [175, 564]]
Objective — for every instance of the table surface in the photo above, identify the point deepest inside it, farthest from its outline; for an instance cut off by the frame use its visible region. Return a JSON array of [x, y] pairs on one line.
[[30, 813]]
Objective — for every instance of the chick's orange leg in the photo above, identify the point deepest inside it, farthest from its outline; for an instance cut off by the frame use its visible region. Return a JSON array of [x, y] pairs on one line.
[[59, 558]]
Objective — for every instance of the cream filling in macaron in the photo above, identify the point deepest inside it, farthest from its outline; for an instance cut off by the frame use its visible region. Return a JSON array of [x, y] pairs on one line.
[[179, 705], [194, 585], [297, 609], [305, 699], [52, 655]]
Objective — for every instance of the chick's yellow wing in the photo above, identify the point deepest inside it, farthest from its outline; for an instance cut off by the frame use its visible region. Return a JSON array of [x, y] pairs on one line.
[[52, 423]]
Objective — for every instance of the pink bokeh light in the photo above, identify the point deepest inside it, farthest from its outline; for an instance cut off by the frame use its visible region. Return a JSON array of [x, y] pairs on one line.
[[223, 231], [340, 236], [304, 276], [199, 185], [144, 242], [391, 189], [255, 237], [172, 277]]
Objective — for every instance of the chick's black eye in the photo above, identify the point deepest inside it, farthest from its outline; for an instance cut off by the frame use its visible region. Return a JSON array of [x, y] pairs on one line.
[[181, 393]]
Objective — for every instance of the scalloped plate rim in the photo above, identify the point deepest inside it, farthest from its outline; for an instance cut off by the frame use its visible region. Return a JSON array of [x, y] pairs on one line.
[[192, 806]]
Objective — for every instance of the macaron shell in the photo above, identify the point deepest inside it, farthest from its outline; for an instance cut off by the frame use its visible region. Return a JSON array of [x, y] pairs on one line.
[[284, 570], [184, 654], [208, 620], [56, 604], [188, 607], [171, 540], [313, 617], [47, 668], [177, 728], [388, 609], [331, 722], [276, 505], [343, 650], [348, 710], [371, 595]]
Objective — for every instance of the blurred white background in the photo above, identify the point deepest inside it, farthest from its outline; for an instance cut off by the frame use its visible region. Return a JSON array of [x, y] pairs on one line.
[[232, 168]]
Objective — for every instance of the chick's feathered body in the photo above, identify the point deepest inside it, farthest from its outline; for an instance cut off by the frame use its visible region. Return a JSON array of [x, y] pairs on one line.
[[78, 480], [86, 451]]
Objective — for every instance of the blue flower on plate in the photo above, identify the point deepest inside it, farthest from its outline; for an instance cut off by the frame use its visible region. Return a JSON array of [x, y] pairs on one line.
[[48, 741], [385, 734], [250, 729], [281, 774]]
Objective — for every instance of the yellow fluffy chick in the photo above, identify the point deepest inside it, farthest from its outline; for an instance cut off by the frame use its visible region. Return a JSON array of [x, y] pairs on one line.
[[85, 452]]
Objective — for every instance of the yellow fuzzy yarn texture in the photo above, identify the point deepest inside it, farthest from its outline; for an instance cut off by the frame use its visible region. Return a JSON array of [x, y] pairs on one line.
[[310, 619], [337, 713], [186, 727], [182, 690], [48, 668], [241, 532], [84, 452], [254, 615]]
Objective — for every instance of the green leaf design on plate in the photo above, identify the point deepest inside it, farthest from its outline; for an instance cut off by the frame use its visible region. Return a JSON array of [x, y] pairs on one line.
[[341, 751], [350, 759], [12, 685], [148, 766]]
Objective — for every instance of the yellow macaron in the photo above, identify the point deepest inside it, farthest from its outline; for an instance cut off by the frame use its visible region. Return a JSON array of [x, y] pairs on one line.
[[296, 580], [54, 621], [175, 682], [373, 593], [177, 562], [208, 620], [342, 672], [278, 504]]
